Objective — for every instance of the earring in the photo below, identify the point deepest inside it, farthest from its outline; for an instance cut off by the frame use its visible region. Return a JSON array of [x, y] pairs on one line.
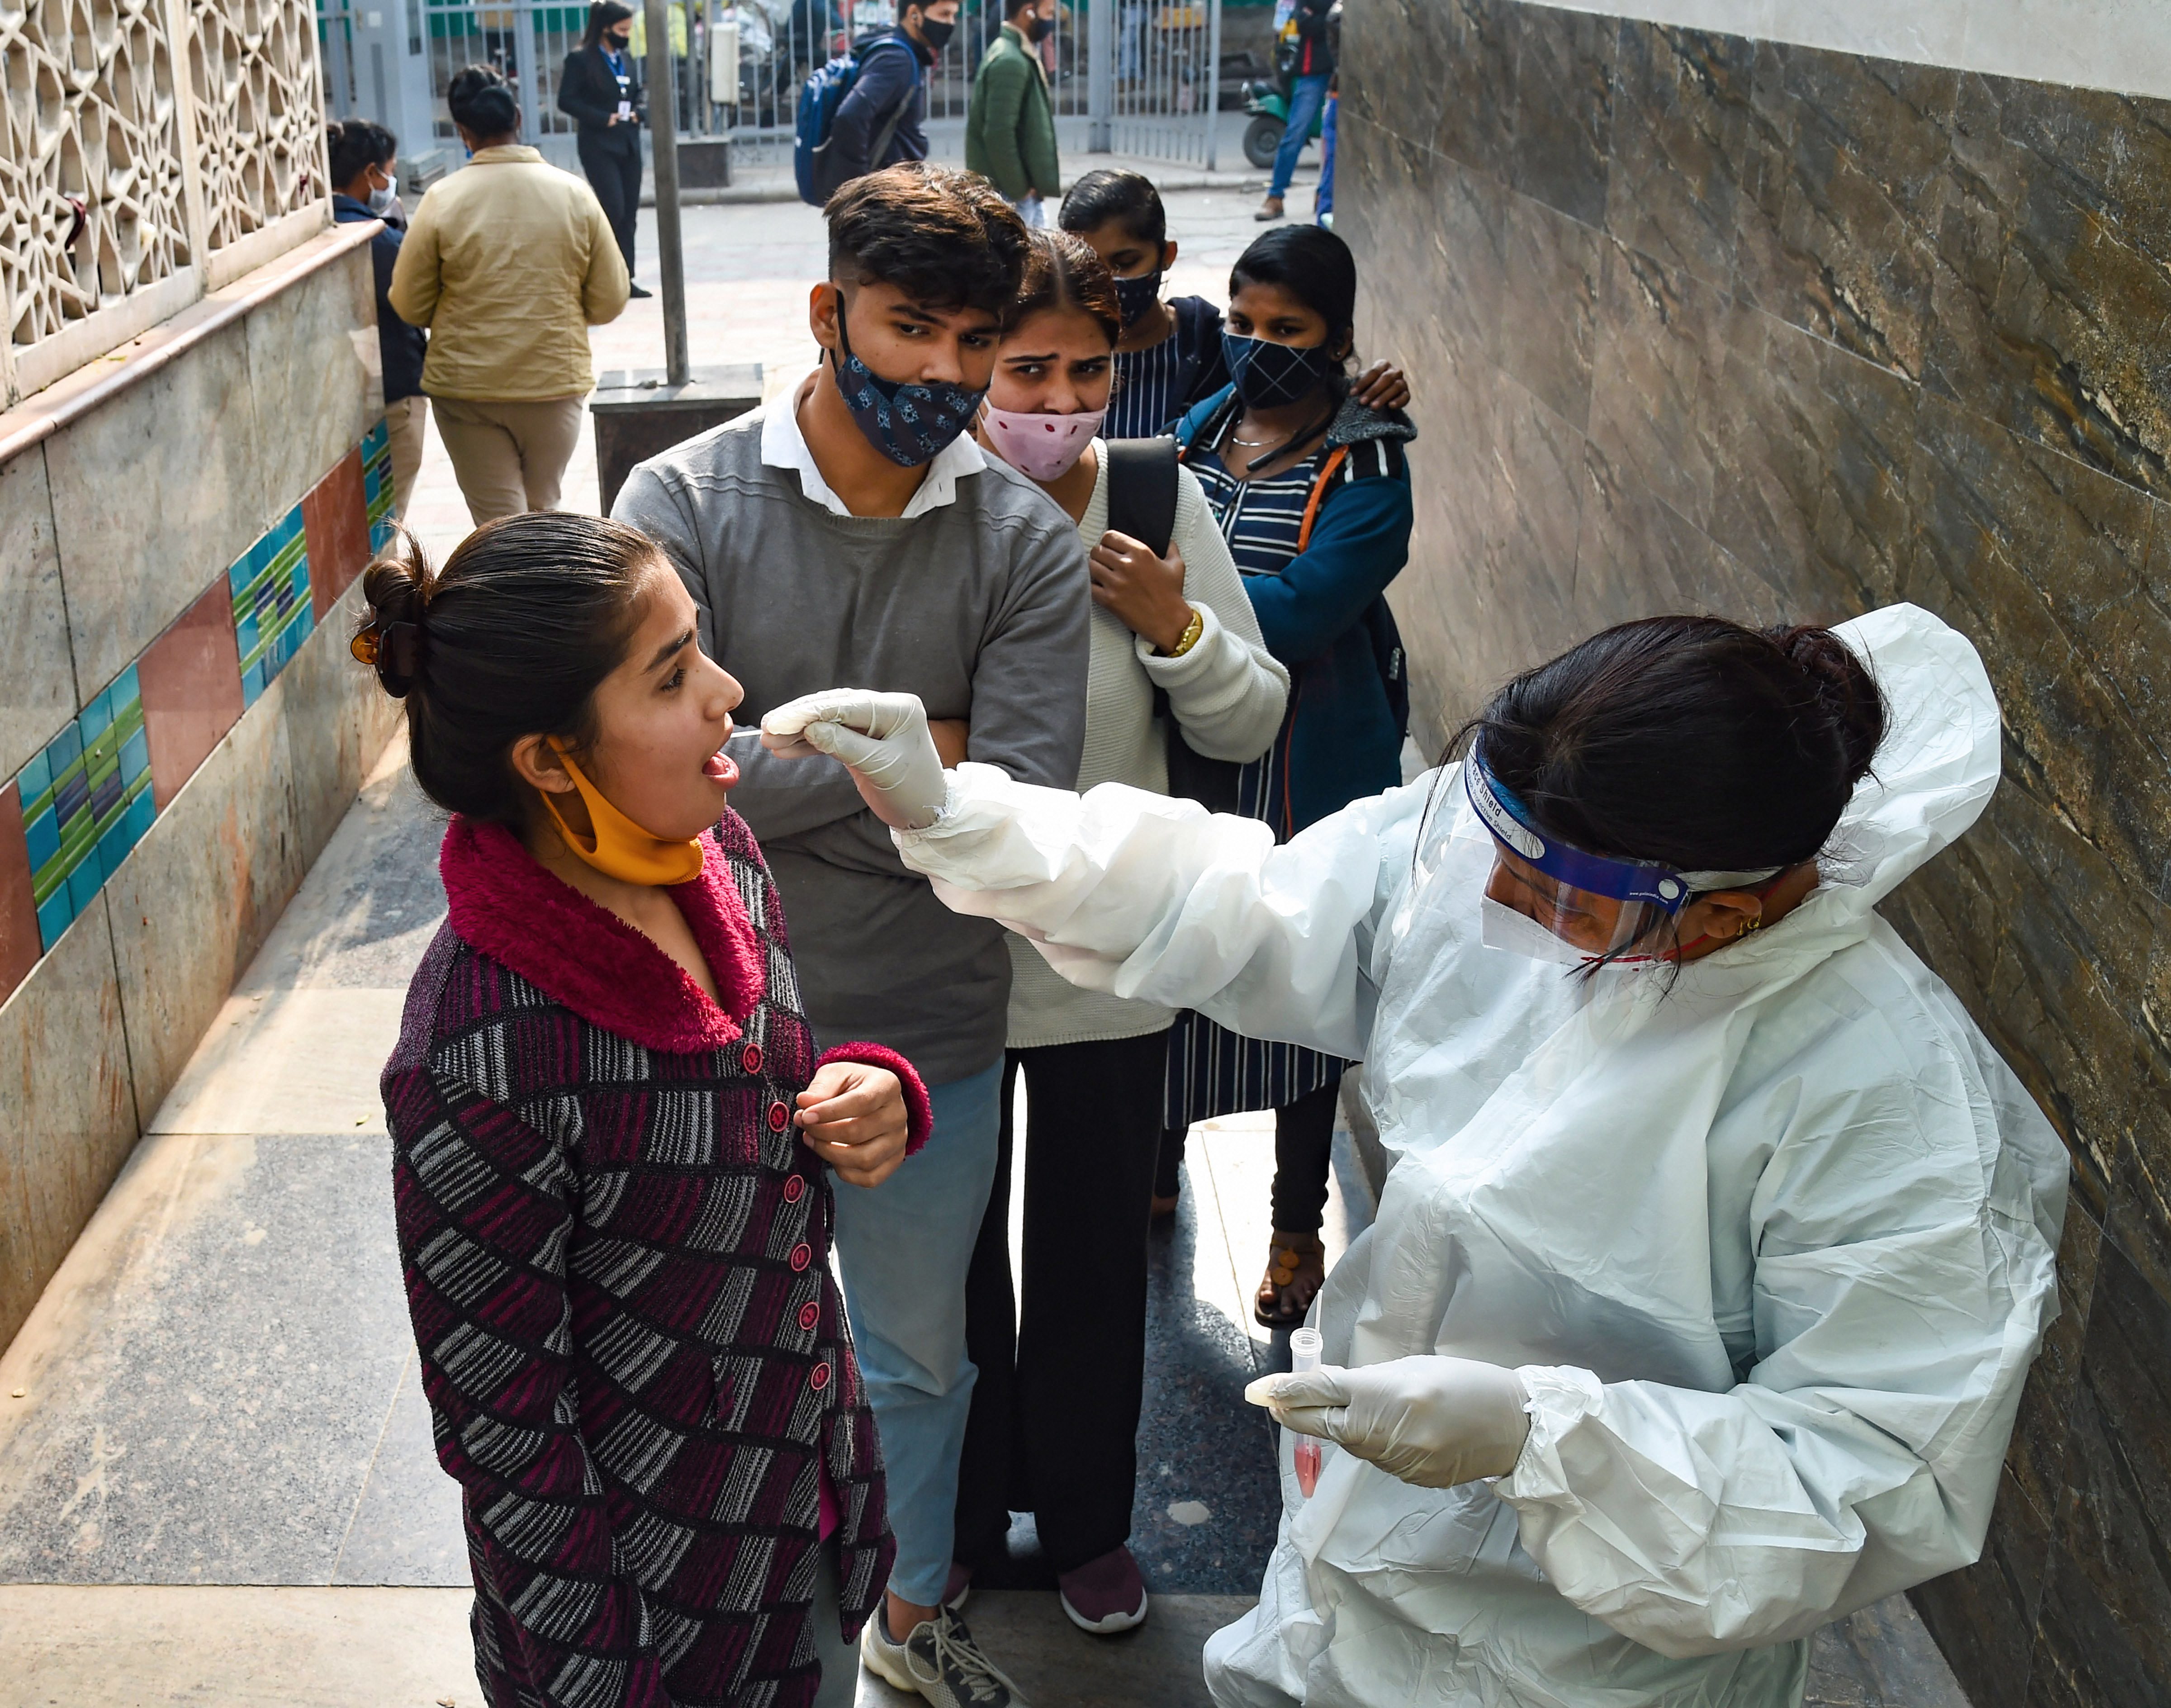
[[1751, 925]]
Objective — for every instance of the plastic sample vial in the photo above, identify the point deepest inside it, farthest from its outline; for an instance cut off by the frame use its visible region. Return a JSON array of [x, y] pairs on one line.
[[1303, 1357]]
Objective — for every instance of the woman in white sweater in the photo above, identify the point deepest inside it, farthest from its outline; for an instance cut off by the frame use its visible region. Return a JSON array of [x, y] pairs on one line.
[[1055, 1409]]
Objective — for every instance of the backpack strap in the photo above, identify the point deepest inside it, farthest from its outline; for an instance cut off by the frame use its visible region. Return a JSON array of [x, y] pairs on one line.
[[1328, 470], [1142, 490]]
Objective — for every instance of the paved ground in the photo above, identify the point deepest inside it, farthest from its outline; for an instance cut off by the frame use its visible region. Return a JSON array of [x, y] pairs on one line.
[[216, 1477]]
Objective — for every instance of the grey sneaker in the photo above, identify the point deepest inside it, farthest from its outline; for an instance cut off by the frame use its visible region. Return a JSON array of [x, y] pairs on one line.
[[940, 1662]]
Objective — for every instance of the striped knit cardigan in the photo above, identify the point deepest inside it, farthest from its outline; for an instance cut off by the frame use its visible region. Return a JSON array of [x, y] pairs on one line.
[[616, 1253]]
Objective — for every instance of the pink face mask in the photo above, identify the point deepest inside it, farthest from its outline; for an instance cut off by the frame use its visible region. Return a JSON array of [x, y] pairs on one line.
[[1042, 447]]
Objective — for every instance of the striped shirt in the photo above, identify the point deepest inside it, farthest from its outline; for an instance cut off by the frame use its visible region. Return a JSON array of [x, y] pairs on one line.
[[1155, 386], [1212, 1071]]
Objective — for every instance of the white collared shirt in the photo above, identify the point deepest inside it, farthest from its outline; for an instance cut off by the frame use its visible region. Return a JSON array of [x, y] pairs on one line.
[[783, 445]]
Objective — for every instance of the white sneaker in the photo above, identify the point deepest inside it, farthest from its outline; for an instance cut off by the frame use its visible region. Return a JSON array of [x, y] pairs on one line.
[[940, 1662]]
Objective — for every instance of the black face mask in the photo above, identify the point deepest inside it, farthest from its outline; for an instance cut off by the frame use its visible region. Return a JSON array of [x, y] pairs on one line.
[[1035, 27], [934, 32], [1134, 297], [1268, 373], [618, 44]]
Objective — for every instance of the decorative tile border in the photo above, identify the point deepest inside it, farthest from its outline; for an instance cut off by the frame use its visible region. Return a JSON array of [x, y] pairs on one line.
[[72, 815], [377, 484], [85, 802], [272, 615]]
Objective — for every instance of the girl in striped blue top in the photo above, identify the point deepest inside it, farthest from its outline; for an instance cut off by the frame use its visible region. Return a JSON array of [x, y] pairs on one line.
[[1312, 493], [1169, 357]]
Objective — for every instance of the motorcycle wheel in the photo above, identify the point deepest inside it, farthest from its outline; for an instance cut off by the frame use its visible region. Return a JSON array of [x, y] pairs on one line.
[[1262, 141]]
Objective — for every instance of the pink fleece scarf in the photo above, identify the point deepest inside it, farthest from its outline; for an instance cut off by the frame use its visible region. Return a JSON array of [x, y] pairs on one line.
[[505, 904]]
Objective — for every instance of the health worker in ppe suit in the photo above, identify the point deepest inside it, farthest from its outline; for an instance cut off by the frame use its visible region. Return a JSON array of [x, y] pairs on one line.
[[1718, 1239]]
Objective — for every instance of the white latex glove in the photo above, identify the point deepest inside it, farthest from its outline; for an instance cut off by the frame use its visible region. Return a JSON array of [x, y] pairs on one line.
[[1432, 1420], [884, 741]]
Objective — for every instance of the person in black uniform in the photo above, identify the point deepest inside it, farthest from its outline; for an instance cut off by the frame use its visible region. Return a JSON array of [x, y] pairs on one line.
[[598, 89]]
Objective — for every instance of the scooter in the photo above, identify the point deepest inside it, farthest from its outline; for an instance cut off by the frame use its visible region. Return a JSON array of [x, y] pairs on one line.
[[1269, 110]]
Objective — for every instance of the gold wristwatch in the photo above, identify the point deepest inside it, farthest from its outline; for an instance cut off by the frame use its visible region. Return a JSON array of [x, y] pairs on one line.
[[1193, 631]]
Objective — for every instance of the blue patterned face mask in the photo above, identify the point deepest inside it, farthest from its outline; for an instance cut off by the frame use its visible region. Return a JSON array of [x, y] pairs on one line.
[[909, 423], [1134, 297]]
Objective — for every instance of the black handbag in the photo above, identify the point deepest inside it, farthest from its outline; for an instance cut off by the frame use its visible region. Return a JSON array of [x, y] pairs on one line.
[[1142, 503]]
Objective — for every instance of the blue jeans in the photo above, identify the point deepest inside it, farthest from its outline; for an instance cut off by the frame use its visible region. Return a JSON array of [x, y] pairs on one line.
[[1306, 99], [1322, 203], [904, 1247]]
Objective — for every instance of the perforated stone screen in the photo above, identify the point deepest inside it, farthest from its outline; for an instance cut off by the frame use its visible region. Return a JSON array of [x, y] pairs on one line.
[[128, 162]]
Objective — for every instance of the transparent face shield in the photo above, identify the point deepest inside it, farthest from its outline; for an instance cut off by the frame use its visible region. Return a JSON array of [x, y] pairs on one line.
[[1557, 902]]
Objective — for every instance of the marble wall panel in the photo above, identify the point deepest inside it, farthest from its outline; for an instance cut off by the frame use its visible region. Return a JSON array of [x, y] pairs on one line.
[[123, 469], [338, 721], [1859, 330], [1812, 467], [1842, 185], [37, 678], [67, 1107], [1553, 266], [2052, 284], [311, 357], [1655, 385], [1562, 113], [336, 526], [190, 677], [2105, 1627], [1681, 124], [20, 942], [203, 887], [1984, 1617]]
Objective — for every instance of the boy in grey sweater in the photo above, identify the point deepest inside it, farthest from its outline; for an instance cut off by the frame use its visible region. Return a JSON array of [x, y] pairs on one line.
[[852, 534]]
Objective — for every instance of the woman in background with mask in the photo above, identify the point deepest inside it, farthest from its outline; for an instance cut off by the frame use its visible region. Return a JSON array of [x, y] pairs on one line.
[[1062, 1359], [1312, 494], [362, 157], [600, 90]]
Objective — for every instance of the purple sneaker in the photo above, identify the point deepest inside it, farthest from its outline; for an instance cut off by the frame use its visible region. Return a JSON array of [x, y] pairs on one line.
[[1106, 1595]]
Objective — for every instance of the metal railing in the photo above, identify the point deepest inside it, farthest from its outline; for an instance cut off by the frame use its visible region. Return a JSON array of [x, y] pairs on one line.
[[1134, 75]]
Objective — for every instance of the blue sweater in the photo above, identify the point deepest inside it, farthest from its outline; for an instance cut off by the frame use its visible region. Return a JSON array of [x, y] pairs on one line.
[[1325, 617]]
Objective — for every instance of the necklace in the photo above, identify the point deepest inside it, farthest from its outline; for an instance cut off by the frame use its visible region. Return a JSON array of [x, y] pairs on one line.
[[1248, 444]]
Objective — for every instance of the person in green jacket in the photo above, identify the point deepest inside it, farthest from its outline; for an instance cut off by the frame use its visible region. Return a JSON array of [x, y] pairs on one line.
[[1010, 127]]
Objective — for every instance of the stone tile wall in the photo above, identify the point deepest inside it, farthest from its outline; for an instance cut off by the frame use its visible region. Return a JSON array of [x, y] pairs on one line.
[[180, 728], [1697, 321]]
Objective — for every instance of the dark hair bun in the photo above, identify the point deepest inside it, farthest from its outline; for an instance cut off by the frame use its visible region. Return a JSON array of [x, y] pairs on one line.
[[1844, 688], [398, 585], [481, 103]]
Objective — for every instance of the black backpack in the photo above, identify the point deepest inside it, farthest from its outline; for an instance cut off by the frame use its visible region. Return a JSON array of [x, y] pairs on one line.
[[1142, 503]]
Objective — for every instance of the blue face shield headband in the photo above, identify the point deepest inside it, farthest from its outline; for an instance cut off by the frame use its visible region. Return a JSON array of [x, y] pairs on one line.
[[1645, 889]]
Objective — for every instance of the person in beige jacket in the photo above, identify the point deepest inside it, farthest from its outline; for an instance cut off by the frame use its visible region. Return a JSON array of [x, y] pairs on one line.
[[508, 263]]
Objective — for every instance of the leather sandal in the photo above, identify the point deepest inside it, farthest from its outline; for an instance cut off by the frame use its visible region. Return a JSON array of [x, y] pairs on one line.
[[1296, 1270]]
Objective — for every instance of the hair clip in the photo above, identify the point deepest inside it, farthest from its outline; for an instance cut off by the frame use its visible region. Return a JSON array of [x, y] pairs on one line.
[[393, 650]]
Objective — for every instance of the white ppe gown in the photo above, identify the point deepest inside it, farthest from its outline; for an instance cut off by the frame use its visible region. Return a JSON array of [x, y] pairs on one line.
[[1768, 1242]]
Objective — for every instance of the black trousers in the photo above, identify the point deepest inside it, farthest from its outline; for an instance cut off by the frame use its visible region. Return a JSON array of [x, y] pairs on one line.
[[614, 175], [1304, 1149], [1054, 1423]]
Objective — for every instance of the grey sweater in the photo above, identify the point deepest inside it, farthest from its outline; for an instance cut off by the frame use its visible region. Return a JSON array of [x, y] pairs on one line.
[[979, 606]]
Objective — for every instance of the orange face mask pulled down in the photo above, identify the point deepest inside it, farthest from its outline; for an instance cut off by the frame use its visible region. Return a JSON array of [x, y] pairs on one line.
[[620, 848]]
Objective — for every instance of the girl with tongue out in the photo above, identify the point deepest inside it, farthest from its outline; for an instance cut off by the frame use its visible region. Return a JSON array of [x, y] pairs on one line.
[[612, 1139], [1173, 642]]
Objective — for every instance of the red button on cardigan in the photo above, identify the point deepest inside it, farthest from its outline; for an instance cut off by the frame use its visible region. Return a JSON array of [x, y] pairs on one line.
[[820, 1377], [750, 1058], [779, 1118], [795, 1188], [810, 1313], [801, 1254]]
